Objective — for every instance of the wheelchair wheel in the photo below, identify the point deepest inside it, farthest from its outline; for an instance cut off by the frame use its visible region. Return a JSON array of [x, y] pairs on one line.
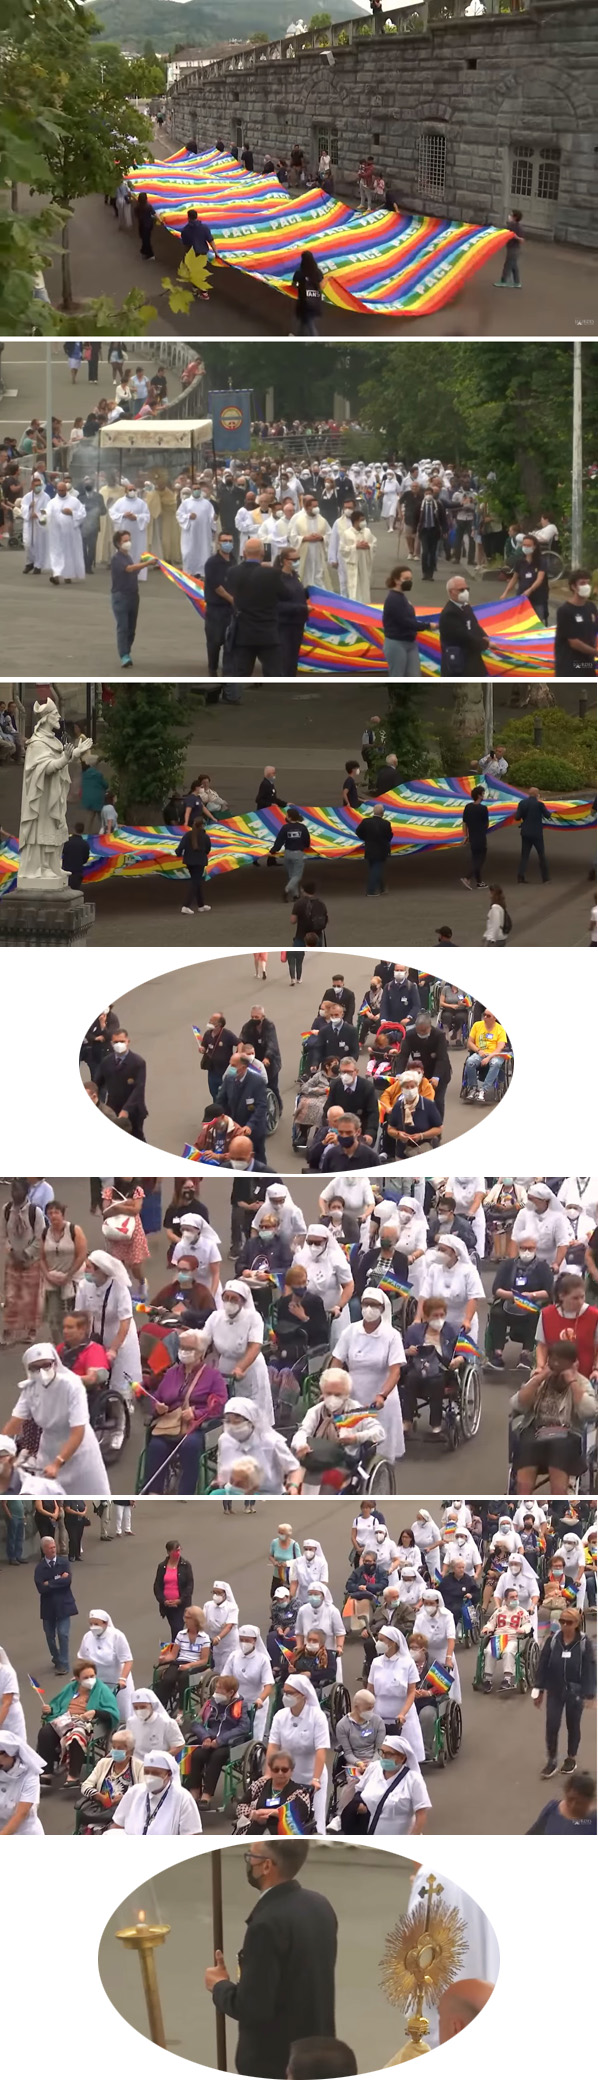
[[452, 1429], [111, 1424], [470, 1402], [381, 1480], [339, 1704], [273, 1112], [453, 1728], [252, 1766], [530, 1661], [478, 1676]]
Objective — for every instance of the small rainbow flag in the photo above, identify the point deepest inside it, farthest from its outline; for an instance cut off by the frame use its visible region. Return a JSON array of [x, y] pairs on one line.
[[466, 1348], [499, 1644], [439, 1678], [288, 1821], [523, 1302], [348, 1420], [196, 1156], [391, 1285]]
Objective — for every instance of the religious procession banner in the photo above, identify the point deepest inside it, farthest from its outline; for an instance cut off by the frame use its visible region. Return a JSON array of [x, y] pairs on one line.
[[387, 262], [343, 636], [423, 815]]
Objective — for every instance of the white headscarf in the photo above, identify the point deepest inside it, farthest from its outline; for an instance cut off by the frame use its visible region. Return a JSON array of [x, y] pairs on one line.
[[393, 1634], [16, 1747], [242, 1407], [308, 1719], [232, 1609], [167, 1819], [413, 1228], [376, 1294], [439, 1625], [112, 1266], [248, 1627], [41, 1353]]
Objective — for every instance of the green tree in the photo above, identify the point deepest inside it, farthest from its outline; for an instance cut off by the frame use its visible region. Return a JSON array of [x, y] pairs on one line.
[[408, 734], [143, 738], [320, 21]]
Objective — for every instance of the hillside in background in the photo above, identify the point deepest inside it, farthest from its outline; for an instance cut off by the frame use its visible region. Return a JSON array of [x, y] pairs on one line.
[[164, 23]]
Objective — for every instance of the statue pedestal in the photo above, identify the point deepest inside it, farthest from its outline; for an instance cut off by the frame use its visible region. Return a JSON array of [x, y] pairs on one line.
[[30, 917]]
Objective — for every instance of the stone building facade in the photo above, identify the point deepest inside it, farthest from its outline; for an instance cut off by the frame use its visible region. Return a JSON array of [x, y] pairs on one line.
[[467, 120]]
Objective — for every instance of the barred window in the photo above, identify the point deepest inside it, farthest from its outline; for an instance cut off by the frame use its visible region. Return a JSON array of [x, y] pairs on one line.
[[549, 173], [522, 173], [328, 142], [432, 163]]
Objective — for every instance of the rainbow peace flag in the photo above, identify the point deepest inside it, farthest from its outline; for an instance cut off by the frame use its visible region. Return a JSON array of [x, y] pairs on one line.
[[499, 1644], [196, 1156], [288, 1824], [466, 1348], [439, 1678], [349, 1421], [523, 1302], [391, 1285]]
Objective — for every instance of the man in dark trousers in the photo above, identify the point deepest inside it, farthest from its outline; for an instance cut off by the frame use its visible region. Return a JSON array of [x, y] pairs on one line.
[[121, 1083], [476, 820], [173, 1587], [267, 794], [387, 776], [244, 1096], [218, 1042], [218, 599], [375, 836], [262, 1035], [566, 1678], [429, 1044], [52, 1578], [358, 1095], [462, 639], [287, 1963], [339, 991], [531, 815], [75, 855], [335, 1037], [257, 590]]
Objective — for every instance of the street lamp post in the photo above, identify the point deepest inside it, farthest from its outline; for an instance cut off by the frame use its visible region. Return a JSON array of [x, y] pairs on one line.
[[488, 715], [577, 459], [49, 450]]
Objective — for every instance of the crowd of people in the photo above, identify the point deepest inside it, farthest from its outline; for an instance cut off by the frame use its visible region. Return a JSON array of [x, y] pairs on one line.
[[260, 534], [313, 1361], [408, 1027], [261, 1708]]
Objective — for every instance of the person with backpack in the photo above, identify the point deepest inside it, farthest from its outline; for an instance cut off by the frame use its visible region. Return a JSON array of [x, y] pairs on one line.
[[23, 1231], [499, 922], [194, 849], [307, 281], [566, 1680], [64, 1251]]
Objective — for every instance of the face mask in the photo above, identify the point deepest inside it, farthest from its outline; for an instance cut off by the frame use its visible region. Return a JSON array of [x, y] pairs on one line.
[[336, 1022], [87, 1684], [347, 1079], [186, 1280], [313, 1648], [410, 1093], [370, 1315], [333, 1403], [231, 1310], [314, 1600], [221, 1698], [126, 543], [120, 1048], [143, 1713], [219, 1598], [406, 585], [226, 547], [316, 1250], [436, 1323], [345, 1142], [266, 1236], [118, 1755], [400, 976], [526, 1257], [584, 592], [154, 1782], [289, 1699], [97, 1627], [46, 1375], [247, 1648], [242, 1430], [463, 597]]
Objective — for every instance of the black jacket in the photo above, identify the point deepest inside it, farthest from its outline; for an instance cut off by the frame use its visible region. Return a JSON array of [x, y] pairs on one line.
[[53, 1581], [264, 1040], [185, 1583], [362, 1101], [286, 1986], [257, 590], [335, 1041], [375, 836], [432, 1048], [560, 1674], [121, 1084], [217, 1050], [266, 796], [458, 629], [345, 997]]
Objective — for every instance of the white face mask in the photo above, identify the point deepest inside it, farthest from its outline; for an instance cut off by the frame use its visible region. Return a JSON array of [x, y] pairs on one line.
[[333, 1403], [463, 597], [584, 592], [120, 1048], [247, 1648], [436, 1323], [370, 1314], [348, 1077], [155, 1782], [316, 1249], [143, 1713], [221, 1698], [526, 1257], [231, 1310], [45, 1375], [290, 1699], [87, 1684], [400, 976], [97, 1627], [242, 1430], [219, 1598]]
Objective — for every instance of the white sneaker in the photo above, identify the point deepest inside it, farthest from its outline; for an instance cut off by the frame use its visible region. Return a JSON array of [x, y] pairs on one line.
[[186, 911], [204, 907]]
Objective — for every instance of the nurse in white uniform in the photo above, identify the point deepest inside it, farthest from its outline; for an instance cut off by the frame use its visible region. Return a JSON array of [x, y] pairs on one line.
[[105, 1294], [309, 1568], [449, 1273], [201, 1242], [221, 1615], [469, 1201], [393, 1791], [236, 1336], [393, 1679], [56, 1400], [250, 1665], [436, 1623], [12, 1719], [20, 1774], [373, 1353], [300, 1727], [426, 1535], [107, 1647], [319, 1611], [150, 1725], [327, 1273], [159, 1806], [246, 1435]]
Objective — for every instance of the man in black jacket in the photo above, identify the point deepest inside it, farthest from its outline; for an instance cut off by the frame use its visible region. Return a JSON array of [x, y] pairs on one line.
[[75, 856], [121, 1083], [52, 1578], [462, 639], [531, 815], [387, 776], [287, 1964], [244, 1096], [173, 1610], [262, 1035], [349, 1152], [218, 598], [257, 590], [335, 1037], [359, 1095], [566, 1677], [339, 991], [266, 795], [218, 1042], [375, 836], [429, 1045]]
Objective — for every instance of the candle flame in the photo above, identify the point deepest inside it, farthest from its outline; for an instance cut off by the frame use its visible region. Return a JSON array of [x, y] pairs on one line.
[[141, 1916]]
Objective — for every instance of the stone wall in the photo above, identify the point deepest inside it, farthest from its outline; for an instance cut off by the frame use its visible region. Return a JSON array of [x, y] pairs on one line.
[[487, 85]]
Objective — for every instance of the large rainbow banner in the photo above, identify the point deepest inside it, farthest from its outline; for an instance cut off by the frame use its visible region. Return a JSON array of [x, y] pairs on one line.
[[423, 814], [344, 636], [386, 262]]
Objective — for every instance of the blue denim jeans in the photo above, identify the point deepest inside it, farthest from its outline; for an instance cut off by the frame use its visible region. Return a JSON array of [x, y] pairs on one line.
[[15, 1532], [57, 1636], [492, 1073]]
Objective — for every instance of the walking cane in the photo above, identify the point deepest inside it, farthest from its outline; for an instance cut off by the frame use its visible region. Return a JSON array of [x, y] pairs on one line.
[[218, 1931]]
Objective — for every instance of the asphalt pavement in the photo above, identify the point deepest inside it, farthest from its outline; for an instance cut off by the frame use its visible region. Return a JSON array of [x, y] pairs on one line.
[[159, 1017], [493, 1785], [482, 1463]]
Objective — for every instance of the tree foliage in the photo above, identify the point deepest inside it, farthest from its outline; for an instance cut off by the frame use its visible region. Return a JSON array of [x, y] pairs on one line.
[[143, 737]]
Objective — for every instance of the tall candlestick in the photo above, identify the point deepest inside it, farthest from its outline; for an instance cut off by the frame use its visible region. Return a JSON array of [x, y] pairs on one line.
[[142, 1939]]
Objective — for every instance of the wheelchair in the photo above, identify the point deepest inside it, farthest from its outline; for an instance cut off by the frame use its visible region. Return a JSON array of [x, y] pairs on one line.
[[467, 1632], [207, 1469], [527, 1657], [447, 1733], [194, 1693], [110, 1421], [370, 1474], [462, 1413], [273, 1111], [455, 1022], [585, 1483], [469, 1098]]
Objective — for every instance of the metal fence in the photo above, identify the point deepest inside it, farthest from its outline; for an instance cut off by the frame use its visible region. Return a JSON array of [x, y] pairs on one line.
[[399, 21]]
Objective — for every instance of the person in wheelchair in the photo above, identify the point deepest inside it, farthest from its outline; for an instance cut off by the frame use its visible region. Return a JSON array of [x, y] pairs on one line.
[[503, 1633], [181, 1660], [435, 1623], [319, 1443], [549, 1413], [192, 1395], [263, 1259], [392, 1797], [309, 1127], [487, 1050], [316, 1662], [281, 1639], [260, 1813], [530, 1542], [431, 1371], [381, 1259], [366, 1582], [443, 1221], [185, 1296], [83, 1710], [461, 1595], [224, 1720], [453, 1009], [414, 1123], [300, 1317], [104, 1787], [219, 1136], [429, 1705], [83, 1353], [369, 1015], [521, 1289]]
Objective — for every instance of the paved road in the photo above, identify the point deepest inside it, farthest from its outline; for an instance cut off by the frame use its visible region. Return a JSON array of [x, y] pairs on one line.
[[482, 1464], [23, 369], [49, 629], [492, 1787], [159, 1017]]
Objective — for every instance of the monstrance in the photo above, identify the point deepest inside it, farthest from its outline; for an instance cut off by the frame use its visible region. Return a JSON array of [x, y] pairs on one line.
[[423, 1954]]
